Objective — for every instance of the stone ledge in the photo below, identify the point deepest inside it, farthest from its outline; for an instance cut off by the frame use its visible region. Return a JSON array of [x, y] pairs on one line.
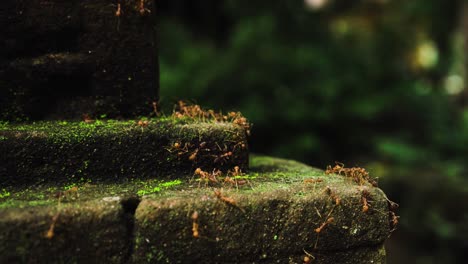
[[274, 220], [116, 150]]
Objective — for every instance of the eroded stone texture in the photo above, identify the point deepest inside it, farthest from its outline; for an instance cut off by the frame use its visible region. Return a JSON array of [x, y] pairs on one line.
[[90, 232], [66, 58]]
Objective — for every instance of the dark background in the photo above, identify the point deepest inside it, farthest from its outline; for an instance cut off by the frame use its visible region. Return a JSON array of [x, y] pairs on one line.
[[373, 83]]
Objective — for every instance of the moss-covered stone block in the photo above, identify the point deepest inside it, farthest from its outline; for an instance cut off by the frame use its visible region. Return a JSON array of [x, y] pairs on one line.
[[63, 59], [272, 220], [87, 232], [271, 216], [72, 151]]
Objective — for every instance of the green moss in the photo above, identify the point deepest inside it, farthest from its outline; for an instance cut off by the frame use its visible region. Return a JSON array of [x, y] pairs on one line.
[[4, 194], [149, 189]]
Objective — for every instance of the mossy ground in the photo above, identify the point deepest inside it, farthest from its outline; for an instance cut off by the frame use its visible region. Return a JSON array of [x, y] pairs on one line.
[[274, 217]]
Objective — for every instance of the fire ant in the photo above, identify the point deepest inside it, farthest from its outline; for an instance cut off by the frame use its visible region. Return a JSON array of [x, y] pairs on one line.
[[70, 193], [143, 123], [359, 175], [193, 156], [155, 108], [50, 233], [178, 147], [223, 157], [308, 257], [313, 180], [235, 173], [195, 224], [324, 224], [142, 9], [332, 195], [206, 176], [227, 200], [240, 145], [393, 221], [337, 169], [118, 13], [365, 196]]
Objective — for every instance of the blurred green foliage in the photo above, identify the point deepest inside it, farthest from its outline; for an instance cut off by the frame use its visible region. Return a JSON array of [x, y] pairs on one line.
[[360, 82]]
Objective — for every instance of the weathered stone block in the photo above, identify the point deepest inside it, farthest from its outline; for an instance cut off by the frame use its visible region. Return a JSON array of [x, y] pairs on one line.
[[89, 232], [272, 218], [112, 150], [272, 221], [66, 58]]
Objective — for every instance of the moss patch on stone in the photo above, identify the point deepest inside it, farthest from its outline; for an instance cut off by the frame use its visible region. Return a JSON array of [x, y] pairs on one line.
[[63, 151]]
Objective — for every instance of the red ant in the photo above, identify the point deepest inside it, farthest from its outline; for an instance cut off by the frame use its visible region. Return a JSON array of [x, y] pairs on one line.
[[332, 195], [193, 156], [324, 224], [142, 9], [206, 176], [365, 196], [227, 200], [195, 224], [223, 157]]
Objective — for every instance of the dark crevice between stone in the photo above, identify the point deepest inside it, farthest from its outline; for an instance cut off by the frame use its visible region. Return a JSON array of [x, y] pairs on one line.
[[129, 206]]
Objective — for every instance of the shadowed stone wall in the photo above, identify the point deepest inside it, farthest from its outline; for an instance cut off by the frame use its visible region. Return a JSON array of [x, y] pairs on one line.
[[67, 58]]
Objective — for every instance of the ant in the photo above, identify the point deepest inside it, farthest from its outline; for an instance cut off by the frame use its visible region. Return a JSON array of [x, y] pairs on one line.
[[208, 177], [193, 156], [313, 180], [238, 119], [359, 175], [393, 221], [332, 195], [227, 200], [155, 108], [324, 224], [178, 147], [240, 145], [223, 158], [70, 193], [337, 169], [118, 13], [142, 9], [50, 233], [365, 196], [308, 257], [235, 173], [195, 224], [143, 123]]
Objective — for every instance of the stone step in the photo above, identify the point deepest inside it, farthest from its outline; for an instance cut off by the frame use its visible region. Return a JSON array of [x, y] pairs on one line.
[[61, 151], [279, 212], [60, 59]]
